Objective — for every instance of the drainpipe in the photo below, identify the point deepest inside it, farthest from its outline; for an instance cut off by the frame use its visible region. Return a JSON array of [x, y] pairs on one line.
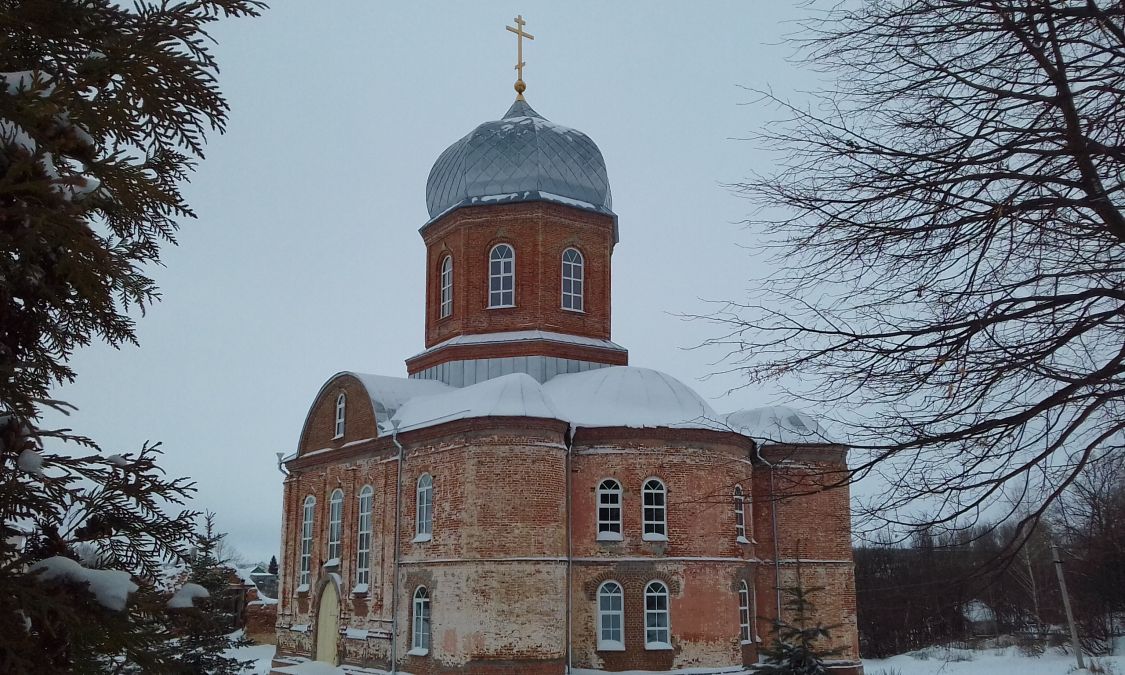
[[773, 524], [568, 440], [398, 518]]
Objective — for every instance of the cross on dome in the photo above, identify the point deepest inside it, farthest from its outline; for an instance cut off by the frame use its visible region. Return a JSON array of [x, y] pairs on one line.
[[520, 35]]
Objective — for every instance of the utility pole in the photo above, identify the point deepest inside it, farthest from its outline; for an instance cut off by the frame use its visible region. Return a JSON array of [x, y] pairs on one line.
[[1066, 605]]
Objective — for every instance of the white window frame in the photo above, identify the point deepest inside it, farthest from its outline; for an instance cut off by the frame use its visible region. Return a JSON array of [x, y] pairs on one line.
[[424, 508], [499, 269], [606, 593], [654, 510], [341, 414], [335, 523], [609, 528], [420, 622], [574, 299], [366, 499], [445, 296], [740, 516], [745, 635], [657, 600], [308, 510]]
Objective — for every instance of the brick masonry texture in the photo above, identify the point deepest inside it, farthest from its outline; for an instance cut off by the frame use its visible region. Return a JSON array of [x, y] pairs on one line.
[[496, 567], [539, 232]]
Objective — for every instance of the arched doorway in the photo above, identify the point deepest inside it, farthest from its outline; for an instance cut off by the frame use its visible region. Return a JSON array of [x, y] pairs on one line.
[[328, 624]]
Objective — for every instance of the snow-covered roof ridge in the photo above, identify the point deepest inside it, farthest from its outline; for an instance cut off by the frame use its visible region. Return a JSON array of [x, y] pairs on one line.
[[523, 336], [513, 395], [628, 396], [777, 424]]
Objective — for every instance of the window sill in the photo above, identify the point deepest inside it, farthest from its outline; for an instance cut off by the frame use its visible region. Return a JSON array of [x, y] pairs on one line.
[[303, 589], [423, 537], [657, 646], [338, 437], [501, 307], [742, 540], [747, 642], [612, 646], [573, 311], [418, 651], [653, 536], [610, 536], [360, 589]]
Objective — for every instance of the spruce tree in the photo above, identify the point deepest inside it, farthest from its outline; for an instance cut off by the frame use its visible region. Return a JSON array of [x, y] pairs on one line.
[[104, 108], [204, 624], [272, 569], [794, 649]]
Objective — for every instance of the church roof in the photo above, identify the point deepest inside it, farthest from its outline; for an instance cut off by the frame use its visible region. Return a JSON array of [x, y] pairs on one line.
[[521, 157], [777, 424], [628, 396]]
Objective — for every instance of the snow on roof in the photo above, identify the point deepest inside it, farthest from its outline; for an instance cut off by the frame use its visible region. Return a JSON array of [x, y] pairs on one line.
[[776, 424], [521, 336], [614, 396], [389, 393], [514, 395], [627, 396], [110, 587]]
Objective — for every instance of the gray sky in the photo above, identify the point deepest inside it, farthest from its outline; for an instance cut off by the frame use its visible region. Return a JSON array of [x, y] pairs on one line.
[[306, 259]]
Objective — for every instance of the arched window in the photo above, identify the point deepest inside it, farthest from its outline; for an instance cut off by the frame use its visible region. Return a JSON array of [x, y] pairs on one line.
[[424, 515], [420, 633], [341, 412], [363, 540], [502, 276], [335, 523], [739, 515], [609, 510], [446, 306], [572, 279], [744, 613], [655, 511], [658, 633], [611, 617], [306, 542]]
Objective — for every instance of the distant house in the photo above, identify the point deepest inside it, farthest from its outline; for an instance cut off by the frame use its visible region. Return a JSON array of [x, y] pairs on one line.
[[980, 618]]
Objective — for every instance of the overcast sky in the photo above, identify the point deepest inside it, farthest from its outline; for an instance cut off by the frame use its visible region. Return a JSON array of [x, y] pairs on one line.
[[306, 258]]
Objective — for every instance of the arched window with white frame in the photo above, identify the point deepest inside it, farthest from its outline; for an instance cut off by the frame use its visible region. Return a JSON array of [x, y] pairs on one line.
[[363, 540], [307, 512], [740, 515], [744, 612], [420, 623], [341, 414], [609, 510], [654, 513], [501, 276], [446, 277], [573, 280], [658, 631], [424, 509], [611, 617], [335, 523]]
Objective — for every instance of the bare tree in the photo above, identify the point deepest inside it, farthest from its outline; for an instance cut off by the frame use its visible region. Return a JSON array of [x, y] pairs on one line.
[[948, 218]]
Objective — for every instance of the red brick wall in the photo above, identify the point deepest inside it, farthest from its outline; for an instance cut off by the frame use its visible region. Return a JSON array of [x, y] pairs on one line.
[[320, 425], [539, 232], [500, 499]]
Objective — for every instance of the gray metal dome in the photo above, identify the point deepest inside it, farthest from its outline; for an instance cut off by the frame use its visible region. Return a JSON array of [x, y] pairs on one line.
[[520, 158]]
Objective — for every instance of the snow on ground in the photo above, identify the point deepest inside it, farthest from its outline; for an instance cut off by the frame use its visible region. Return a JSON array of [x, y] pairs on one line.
[[933, 661], [952, 661]]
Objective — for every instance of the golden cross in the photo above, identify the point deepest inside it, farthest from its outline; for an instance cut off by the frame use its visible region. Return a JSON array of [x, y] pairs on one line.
[[520, 35]]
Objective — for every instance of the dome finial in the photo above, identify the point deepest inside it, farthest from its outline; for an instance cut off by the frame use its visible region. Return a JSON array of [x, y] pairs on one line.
[[520, 35]]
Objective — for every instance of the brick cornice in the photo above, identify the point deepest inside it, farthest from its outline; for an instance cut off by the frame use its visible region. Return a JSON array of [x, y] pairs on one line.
[[494, 350]]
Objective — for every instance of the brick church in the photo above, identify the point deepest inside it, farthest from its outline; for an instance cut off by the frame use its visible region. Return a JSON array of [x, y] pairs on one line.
[[524, 500]]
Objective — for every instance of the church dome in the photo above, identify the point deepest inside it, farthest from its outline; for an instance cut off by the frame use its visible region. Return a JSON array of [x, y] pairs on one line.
[[519, 158], [627, 396]]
